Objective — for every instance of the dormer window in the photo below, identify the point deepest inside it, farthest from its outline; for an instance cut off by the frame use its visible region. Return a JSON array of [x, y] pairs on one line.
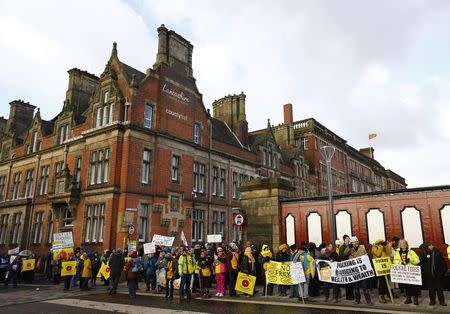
[[104, 114], [63, 133], [34, 144]]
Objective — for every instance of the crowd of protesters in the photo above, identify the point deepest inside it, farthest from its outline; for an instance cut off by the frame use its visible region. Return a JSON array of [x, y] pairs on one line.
[[197, 268]]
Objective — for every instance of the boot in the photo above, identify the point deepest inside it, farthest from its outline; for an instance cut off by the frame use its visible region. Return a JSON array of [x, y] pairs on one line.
[[408, 300], [416, 300], [368, 299]]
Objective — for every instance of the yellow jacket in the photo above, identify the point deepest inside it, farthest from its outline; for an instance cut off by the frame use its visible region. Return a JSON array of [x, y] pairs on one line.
[[87, 269], [412, 256], [379, 250]]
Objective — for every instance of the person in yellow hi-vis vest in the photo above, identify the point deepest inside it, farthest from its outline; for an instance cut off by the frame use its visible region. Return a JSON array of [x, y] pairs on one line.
[[186, 270], [404, 255]]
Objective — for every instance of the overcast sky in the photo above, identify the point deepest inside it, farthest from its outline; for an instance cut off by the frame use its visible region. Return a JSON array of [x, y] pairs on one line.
[[358, 67]]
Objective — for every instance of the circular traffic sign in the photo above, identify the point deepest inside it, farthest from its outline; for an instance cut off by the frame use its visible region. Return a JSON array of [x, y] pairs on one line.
[[239, 219]]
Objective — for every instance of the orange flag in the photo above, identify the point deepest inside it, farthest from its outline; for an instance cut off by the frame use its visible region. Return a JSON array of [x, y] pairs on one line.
[[372, 135]]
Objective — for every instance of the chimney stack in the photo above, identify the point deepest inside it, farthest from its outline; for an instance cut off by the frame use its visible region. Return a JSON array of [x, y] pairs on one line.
[[288, 119], [368, 151]]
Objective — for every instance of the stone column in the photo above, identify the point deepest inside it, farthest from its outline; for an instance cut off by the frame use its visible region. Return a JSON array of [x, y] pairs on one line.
[[261, 208]]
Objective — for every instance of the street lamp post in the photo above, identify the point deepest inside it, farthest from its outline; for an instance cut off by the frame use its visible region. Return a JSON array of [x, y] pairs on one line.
[[328, 152]]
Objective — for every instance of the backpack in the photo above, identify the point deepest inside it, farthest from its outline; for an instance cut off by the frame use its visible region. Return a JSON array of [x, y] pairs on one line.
[[137, 265]]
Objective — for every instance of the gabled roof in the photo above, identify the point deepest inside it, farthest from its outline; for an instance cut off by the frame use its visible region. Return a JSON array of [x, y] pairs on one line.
[[130, 71], [222, 133]]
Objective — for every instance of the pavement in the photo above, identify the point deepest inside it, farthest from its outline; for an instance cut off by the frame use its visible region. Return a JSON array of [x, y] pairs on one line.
[[45, 298]]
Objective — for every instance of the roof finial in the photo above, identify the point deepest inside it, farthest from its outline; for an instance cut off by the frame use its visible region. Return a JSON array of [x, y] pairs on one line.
[[114, 49]]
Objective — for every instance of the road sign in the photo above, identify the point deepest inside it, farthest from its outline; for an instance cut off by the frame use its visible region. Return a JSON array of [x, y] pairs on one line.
[[238, 219], [131, 229]]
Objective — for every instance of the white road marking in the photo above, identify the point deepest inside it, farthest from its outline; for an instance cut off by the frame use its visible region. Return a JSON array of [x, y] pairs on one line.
[[114, 307]]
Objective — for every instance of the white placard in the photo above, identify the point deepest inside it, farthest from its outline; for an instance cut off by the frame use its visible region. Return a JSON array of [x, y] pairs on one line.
[[14, 251], [62, 240], [12, 258], [149, 248], [297, 273], [407, 274], [348, 271], [162, 240], [132, 245], [214, 238], [183, 238]]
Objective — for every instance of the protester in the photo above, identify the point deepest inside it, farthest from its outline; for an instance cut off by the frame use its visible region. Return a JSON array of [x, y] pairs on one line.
[[86, 273], [150, 275], [132, 268], [12, 271], [434, 269], [404, 255], [282, 256], [196, 255], [3, 267], [294, 257], [96, 265], [314, 283], [329, 254], [248, 265], [220, 269], [104, 259], [381, 248], [171, 269], [309, 270], [159, 265], [232, 267], [205, 265], [355, 250], [185, 270], [263, 259], [116, 265], [344, 255]]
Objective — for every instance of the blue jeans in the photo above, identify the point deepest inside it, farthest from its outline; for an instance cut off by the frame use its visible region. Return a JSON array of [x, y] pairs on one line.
[[294, 291], [73, 282], [185, 285]]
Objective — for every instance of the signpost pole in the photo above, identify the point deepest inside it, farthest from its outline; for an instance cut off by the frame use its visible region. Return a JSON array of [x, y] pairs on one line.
[[388, 284]]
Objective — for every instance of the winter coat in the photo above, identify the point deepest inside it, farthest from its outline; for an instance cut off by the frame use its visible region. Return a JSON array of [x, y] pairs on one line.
[[204, 263], [174, 268], [247, 267], [282, 257], [344, 252], [230, 268], [433, 264], [333, 257], [411, 257], [96, 264], [354, 252], [150, 265], [116, 264], [186, 265], [128, 266], [87, 269]]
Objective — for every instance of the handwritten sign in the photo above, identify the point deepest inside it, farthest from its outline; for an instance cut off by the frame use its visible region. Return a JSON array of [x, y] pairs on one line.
[[407, 274], [214, 238], [382, 266], [62, 240], [279, 273], [162, 240], [149, 248], [297, 273]]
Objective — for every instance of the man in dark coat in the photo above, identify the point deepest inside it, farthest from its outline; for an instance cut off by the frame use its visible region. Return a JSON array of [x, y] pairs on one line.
[[116, 265], [434, 269], [283, 256]]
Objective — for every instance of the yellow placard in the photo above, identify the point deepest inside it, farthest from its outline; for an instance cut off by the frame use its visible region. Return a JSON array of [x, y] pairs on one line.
[[68, 268], [382, 266], [104, 271], [245, 283], [63, 253], [28, 264], [279, 273]]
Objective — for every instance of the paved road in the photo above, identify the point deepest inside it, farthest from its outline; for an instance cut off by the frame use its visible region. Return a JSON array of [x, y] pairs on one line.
[[51, 299]]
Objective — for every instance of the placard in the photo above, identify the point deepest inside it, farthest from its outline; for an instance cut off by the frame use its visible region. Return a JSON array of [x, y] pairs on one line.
[[183, 238], [297, 273], [407, 274], [149, 248], [162, 240], [214, 238], [348, 271], [279, 273], [382, 266], [245, 283], [131, 245], [62, 240], [14, 251]]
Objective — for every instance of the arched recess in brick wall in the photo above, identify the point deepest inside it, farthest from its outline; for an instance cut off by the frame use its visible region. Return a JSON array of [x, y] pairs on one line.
[[314, 227], [445, 223], [343, 224], [290, 229], [412, 226], [375, 225]]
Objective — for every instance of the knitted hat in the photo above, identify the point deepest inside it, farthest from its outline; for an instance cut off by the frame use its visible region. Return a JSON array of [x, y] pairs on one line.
[[185, 248], [233, 246], [283, 247]]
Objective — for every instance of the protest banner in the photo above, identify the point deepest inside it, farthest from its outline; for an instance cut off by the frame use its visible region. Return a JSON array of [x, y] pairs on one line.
[[382, 266], [279, 273], [245, 283], [28, 264], [62, 240], [68, 268], [214, 238], [348, 271], [183, 238], [63, 253], [14, 251], [162, 240], [407, 274], [131, 245], [297, 273], [149, 248]]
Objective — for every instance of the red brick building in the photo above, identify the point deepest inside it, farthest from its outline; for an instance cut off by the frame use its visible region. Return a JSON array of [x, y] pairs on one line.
[[135, 148]]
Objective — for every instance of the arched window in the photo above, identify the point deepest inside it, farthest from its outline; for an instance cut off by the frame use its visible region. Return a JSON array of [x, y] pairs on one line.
[[343, 224], [314, 225], [375, 225], [412, 226], [290, 229], [445, 223]]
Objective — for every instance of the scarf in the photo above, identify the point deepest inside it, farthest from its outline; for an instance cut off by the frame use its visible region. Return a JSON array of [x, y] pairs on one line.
[[305, 260]]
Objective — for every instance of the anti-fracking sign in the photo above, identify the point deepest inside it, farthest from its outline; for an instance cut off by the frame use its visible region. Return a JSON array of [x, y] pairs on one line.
[[348, 271]]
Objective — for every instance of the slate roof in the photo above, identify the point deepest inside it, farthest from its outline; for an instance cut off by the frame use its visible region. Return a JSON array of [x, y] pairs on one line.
[[130, 71], [222, 133]]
